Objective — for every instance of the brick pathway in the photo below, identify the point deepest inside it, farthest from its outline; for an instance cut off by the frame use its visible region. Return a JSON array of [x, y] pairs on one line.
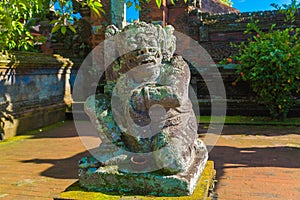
[[258, 163], [252, 163], [42, 166]]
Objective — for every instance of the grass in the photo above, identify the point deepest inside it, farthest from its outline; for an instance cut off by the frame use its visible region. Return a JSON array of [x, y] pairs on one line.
[[30, 134], [247, 120]]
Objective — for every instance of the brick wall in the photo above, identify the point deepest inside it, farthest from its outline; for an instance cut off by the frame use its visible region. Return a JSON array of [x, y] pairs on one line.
[[213, 29], [216, 32], [99, 23]]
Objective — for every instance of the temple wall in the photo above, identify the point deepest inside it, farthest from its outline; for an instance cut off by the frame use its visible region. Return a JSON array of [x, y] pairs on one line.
[[35, 90]]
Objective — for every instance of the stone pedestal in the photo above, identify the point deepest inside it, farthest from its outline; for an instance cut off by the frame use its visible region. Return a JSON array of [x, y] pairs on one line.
[[202, 191], [112, 179]]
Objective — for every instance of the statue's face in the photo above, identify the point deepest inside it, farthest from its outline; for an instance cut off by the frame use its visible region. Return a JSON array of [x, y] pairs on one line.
[[142, 49], [144, 57], [147, 50]]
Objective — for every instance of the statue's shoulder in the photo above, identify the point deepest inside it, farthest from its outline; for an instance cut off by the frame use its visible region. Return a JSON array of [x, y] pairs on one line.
[[179, 64]]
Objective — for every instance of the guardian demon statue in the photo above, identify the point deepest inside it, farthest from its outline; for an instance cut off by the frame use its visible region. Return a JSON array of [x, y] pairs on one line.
[[145, 118]]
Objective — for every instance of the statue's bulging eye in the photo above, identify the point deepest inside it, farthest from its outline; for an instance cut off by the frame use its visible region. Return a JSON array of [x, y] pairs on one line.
[[152, 50]]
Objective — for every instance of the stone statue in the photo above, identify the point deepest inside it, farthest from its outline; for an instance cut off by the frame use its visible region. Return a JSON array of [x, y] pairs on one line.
[[145, 118]]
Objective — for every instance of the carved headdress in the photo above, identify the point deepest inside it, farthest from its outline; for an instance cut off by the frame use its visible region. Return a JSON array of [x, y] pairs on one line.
[[164, 35]]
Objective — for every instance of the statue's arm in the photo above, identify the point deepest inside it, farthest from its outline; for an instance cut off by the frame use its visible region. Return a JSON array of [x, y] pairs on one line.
[[143, 98], [177, 76], [171, 92]]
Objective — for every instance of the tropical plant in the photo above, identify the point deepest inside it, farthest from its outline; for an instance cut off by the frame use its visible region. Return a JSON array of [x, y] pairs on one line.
[[16, 16], [63, 15], [15, 20], [270, 62]]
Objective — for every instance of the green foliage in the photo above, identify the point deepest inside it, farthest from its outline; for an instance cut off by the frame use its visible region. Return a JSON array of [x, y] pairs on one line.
[[63, 15], [95, 6], [289, 10], [227, 2], [14, 23], [136, 4], [159, 2], [250, 120], [270, 62], [16, 16]]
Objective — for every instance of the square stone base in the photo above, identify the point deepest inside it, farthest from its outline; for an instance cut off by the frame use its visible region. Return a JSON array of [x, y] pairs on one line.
[[111, 179], [201, 192]]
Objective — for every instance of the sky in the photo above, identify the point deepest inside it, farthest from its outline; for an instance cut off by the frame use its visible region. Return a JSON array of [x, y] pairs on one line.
[[256, 5], [241, 5]]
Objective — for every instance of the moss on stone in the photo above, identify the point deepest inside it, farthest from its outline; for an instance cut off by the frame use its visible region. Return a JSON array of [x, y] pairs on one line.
[[201, 192], [30, 134]]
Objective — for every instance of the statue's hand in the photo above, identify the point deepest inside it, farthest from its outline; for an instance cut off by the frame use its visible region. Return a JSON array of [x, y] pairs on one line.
[[138, 102], [143, 98]]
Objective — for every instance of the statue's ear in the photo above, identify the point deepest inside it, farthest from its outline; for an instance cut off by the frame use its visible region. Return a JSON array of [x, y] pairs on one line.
[[110, 31], [169, 42], [169, 29]]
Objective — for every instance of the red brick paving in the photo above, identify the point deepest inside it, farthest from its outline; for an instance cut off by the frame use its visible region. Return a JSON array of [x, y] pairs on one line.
[[42, 166], [252, 163], [258, 163]]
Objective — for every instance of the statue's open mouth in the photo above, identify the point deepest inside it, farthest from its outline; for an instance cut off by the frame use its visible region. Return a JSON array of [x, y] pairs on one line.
[[148, 62], [146, 59]]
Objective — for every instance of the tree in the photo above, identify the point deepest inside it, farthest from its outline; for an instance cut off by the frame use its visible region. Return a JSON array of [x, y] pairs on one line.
[[64, 14], [16, 16]]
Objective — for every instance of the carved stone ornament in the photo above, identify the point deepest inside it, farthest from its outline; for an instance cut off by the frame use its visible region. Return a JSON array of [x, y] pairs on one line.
[[145, 119]]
